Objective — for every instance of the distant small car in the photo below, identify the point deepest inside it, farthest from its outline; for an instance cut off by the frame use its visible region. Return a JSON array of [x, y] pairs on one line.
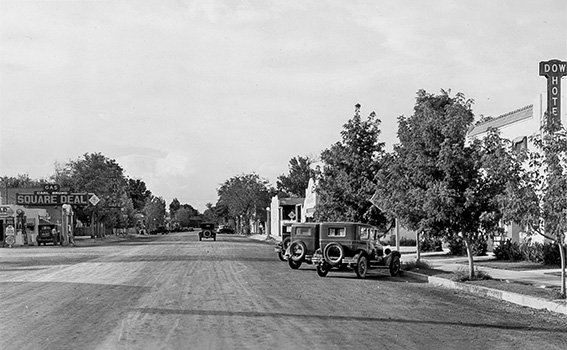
[[46, 235], [353, 245], [208, 231], [281, 247], [304, 241]]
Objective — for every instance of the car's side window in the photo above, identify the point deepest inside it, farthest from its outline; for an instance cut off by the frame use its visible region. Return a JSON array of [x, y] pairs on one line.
[[364, 233], [303, 231], [336, 232]]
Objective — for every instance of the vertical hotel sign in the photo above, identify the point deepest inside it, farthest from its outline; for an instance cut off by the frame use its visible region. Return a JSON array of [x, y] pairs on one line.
[[554, 70]]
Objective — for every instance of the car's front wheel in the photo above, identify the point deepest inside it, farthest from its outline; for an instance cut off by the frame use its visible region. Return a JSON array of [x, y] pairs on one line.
[[294, 264], [395, 266], [323, 270], [361, 266]]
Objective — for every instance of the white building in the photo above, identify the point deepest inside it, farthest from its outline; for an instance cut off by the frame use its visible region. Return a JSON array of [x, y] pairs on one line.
[[518, 126]]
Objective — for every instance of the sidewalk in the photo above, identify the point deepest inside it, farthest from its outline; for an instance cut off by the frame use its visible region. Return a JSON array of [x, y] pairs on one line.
[[538, 278]]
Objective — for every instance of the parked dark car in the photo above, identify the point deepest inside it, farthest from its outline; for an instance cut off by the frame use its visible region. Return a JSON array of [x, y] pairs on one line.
[[304, 241], [207, 231], [159, 230], [353, 245], [226, 229], [46, 235], [281, 247]]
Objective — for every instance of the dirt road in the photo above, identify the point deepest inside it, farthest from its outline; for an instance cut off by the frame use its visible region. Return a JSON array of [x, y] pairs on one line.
[[174, 292]]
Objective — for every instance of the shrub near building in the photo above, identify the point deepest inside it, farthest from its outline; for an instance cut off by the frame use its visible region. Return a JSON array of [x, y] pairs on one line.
[[546, 253]]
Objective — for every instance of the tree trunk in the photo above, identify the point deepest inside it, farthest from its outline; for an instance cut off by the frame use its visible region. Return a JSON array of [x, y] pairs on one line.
[[470, 256], [417, 247]]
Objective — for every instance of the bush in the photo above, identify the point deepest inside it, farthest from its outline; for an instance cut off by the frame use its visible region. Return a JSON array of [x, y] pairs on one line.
[[415, 265], [551, 255], [532, 251], [479, 246], [430, 244], [406, 242], [508, 251], [462, 275], [457, 246], [548, 253]]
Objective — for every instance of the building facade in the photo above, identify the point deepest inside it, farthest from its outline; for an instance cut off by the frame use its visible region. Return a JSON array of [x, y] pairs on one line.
[[26, 220], [518, 126]]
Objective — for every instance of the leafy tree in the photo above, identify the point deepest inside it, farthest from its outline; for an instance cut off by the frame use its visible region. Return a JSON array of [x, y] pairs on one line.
[[20, 181], [174, 206], [295, 183], [434, 182], [538, 200], [210, 214], [139, 193], [246, 197], [154, 211], [346, 180], [62, 175], [95, 173], [183, 216]]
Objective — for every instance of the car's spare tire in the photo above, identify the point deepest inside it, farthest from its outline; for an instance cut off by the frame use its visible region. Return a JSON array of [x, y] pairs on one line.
[[207, 234], [297, 251], [333, 253]]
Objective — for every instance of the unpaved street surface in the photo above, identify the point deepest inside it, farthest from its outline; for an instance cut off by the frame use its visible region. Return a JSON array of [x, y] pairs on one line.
[[174, 292]]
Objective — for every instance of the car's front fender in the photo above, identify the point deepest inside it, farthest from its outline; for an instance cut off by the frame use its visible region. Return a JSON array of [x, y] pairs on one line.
[[389, 258]]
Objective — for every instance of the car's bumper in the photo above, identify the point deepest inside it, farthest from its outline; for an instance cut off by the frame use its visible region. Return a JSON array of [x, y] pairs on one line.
[[317, 258]]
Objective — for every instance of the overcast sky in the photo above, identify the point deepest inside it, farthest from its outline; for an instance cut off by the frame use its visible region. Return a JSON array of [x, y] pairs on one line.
[[187, 94]]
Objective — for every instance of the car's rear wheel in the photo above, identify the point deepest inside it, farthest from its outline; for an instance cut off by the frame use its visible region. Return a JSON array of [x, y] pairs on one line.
[[297, 251], [395, 266], [323, 270], [294, 264], [200, 238], [361, 266], [333, 253]]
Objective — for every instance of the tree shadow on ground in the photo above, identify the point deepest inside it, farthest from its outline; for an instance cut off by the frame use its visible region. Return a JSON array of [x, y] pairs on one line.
[[334, 317]]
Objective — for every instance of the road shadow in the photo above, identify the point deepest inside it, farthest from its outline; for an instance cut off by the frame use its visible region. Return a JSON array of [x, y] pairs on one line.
[[45, 262], [189, 258], [343, 318]]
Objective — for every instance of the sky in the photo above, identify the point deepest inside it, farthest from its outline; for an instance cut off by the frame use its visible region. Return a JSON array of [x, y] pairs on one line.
[[185, 95]]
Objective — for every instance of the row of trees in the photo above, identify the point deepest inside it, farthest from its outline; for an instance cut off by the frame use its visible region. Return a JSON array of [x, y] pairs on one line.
[[440, 184], [124, 202], [435, 181]]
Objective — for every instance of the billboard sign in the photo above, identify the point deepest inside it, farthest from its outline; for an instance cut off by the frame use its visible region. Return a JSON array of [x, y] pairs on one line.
[[554, 70], [51, 199]]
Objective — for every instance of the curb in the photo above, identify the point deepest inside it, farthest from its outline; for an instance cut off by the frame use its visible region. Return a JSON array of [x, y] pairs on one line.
[[268, 240], [515, 298]]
